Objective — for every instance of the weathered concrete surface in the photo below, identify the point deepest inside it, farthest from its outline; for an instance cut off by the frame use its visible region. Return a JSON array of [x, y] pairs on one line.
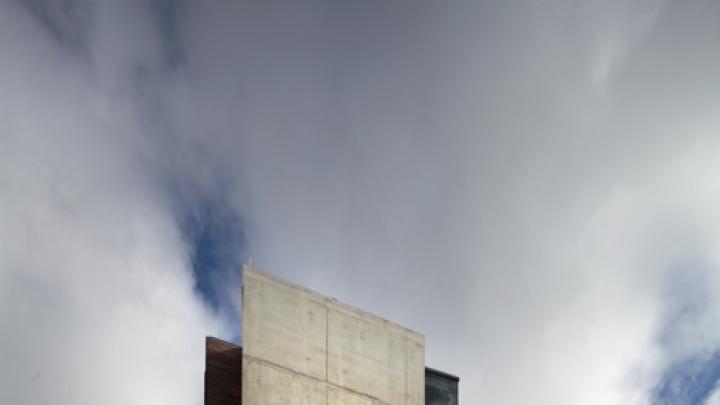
[[339, 396], [284, 325], [269, 385], [356, 357]]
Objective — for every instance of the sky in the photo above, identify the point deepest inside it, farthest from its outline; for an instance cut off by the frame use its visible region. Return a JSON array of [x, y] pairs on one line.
[[531, 184]]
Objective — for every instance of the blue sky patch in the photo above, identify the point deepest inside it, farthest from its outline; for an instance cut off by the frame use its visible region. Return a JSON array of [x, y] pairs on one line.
[[689, 381], [216, 242]]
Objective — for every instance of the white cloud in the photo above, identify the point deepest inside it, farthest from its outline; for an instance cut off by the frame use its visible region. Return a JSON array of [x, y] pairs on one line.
[[96, 294], [714, 398], [462, 171]]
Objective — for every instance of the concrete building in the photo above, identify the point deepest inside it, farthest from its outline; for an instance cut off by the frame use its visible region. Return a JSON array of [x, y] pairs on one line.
[[302, 348]]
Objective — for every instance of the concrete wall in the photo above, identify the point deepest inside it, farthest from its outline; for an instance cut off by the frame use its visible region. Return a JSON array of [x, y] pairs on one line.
[[301, 348]]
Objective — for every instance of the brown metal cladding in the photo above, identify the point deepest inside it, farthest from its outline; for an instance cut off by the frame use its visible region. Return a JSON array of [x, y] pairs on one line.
[[223, 372]]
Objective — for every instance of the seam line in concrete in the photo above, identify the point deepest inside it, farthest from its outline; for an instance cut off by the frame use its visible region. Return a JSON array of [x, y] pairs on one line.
[[327, 383]]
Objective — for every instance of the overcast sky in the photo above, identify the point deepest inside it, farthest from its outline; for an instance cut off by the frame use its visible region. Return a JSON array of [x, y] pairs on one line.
[[534, 185]]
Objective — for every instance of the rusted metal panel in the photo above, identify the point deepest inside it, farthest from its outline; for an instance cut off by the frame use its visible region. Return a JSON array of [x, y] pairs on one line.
[[223, 372]]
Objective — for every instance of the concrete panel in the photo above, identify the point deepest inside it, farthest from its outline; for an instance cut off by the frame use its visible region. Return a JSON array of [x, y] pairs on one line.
[[397, 367], [415, 370], [357, 354], [283, 325], [339, 396], [264, 384], [369, 355], [356, 357]]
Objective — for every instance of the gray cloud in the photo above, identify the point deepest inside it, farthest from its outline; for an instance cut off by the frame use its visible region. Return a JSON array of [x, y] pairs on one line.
[[96, 290], [523, 182]]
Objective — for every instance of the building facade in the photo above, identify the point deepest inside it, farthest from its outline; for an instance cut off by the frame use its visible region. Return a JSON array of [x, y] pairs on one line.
[[302, 348]]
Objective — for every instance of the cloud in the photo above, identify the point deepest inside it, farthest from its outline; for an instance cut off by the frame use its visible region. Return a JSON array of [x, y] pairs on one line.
[[531, 185], [714, 398], [96, 286]]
